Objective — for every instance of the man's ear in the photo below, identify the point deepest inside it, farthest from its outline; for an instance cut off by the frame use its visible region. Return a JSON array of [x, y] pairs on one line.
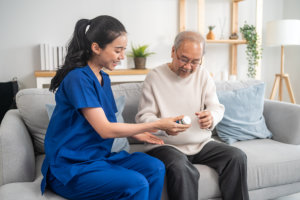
[[95, 48], [173, 52]]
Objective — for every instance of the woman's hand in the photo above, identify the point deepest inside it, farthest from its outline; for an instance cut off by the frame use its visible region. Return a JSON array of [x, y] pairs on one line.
[[171, 127], [148, 137]]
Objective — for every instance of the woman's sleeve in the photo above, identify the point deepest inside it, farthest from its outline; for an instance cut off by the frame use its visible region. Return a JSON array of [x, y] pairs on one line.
[[81, 91]]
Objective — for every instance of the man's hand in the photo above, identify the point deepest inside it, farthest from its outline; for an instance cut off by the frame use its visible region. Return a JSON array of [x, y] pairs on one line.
[[205, 119], [148, 137], [173, 128]]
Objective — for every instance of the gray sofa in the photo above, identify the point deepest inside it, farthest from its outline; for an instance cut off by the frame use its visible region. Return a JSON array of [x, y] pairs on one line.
[[273, 164]]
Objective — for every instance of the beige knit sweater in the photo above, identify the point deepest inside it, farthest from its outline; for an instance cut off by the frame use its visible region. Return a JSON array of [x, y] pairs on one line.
[[167, 95]]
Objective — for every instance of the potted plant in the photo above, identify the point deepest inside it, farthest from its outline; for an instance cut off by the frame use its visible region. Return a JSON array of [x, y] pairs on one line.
[[253, 50], [139, 55], [210, 35]]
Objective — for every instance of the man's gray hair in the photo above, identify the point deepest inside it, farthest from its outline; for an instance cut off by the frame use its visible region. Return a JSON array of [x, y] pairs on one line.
[[191, 36]]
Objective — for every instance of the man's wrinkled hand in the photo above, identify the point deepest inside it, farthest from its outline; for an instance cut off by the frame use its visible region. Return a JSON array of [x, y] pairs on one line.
[[205, 119]]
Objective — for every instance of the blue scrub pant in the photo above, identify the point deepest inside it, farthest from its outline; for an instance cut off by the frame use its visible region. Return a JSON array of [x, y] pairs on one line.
[[135, 177]]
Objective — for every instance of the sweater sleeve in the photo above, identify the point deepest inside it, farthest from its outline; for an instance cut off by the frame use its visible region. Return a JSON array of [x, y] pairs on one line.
[[212, 103], [148, 109]]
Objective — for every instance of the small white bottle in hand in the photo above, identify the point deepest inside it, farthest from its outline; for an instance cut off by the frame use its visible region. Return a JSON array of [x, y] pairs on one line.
[[185, 120]]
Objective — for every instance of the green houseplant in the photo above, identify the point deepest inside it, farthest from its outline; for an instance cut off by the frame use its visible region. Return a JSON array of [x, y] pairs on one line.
[[139, 54], [253, 50]]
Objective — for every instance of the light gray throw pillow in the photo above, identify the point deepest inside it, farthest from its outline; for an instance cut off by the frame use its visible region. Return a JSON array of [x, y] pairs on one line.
[[243, 118]]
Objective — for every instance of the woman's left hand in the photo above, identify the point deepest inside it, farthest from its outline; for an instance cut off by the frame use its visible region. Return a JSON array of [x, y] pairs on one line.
[[148, 137]]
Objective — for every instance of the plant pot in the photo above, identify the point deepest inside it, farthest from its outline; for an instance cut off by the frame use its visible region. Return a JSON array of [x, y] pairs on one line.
[[210, 35], [140, 62]]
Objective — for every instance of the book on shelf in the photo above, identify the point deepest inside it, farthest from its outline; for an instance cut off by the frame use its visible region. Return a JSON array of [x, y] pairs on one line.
[[51, 56], [55, 61], [47, 56], [60, 56], [50, 53], [42, 55]]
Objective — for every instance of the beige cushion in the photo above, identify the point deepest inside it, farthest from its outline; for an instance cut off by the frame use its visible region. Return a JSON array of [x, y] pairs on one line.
[[31, 104]]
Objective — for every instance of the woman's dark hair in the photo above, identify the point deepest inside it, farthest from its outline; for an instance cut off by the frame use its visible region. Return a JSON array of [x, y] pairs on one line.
[[102, 30]]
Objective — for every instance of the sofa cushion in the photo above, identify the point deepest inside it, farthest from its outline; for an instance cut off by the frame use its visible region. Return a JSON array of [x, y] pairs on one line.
[[234, 85], [31, 104], [132, 93], [28, 190], [50, 108], [270, 163], [120, 144], [243, 118]]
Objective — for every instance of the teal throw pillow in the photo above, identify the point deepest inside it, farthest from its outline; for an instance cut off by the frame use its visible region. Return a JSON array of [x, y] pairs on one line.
[[50, 109], [243, 118], [119, 144]]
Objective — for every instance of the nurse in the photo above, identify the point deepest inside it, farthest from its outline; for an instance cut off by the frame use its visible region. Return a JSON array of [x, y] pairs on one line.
[[79, 163]]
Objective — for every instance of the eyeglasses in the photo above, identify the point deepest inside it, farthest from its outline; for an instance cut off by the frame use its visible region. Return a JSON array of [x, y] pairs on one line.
[[185, 61]]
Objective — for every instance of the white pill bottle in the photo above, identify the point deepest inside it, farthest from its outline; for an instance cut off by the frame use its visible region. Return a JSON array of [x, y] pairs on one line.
[[185, 120]]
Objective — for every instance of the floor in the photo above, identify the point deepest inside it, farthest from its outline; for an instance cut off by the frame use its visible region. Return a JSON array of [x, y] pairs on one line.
[[290, 197]]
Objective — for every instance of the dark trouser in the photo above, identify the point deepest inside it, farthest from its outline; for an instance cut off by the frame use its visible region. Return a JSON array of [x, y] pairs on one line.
[[182, 177]]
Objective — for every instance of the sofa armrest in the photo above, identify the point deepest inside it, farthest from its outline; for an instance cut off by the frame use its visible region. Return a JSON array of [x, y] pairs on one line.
[[283, 120], [17, 159]]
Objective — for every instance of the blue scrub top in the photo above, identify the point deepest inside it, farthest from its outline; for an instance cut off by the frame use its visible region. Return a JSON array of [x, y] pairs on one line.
[[71, 142]]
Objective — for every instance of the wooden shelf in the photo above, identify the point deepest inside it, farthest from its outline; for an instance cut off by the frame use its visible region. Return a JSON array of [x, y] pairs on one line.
[[48, 73], [43, 78], [128, 72], [201, 25], [227, 41], [44, 73]]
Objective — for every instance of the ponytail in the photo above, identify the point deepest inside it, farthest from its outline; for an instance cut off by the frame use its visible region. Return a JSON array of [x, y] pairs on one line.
[[78, 52], [101, 30]]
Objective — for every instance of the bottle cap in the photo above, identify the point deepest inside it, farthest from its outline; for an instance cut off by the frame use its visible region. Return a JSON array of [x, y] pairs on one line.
[[186, 120]]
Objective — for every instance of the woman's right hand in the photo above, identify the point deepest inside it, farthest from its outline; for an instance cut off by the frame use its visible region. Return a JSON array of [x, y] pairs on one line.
[[171, 127]]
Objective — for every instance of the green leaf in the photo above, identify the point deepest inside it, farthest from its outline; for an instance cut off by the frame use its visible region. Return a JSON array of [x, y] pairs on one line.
[[253, 50], [139, 51]]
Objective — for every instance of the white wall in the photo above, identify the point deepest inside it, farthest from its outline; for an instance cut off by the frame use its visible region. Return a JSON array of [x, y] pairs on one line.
[[26, 24], [292, 53], [273, 10]]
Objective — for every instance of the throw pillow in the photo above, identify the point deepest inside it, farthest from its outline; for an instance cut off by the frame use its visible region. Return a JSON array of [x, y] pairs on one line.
[[243, 118], [119, 144], [50, 109], [31, 105]]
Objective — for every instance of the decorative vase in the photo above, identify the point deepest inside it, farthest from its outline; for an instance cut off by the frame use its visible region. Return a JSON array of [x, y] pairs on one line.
[[140, 62], [234, 36], [210, 35]]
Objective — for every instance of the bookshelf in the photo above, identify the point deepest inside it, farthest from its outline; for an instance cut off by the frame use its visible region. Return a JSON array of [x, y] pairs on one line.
[[226, 41], [201, 24]]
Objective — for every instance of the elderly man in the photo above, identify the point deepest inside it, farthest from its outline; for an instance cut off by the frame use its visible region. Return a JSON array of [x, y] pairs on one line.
[[184, 87]]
